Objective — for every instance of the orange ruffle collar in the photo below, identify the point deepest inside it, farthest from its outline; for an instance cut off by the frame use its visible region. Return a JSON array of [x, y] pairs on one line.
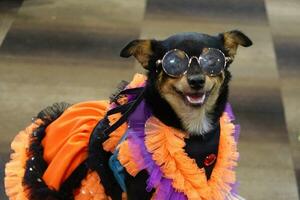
[[166, 146]]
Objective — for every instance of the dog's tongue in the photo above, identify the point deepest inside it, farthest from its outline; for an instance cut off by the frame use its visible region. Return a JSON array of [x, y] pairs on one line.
[[195, 98]]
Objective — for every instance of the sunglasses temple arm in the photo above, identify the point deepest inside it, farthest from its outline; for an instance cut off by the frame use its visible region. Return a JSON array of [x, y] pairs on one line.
[[228, 59], [158, 62]]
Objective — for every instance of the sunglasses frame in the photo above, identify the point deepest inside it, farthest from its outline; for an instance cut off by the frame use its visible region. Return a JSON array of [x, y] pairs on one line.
[[160, 61]]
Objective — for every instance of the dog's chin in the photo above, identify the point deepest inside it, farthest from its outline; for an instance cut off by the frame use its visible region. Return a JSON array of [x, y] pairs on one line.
[[193, 99]]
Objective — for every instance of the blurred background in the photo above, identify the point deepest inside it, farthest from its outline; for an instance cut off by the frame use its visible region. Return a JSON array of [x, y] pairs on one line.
[[68, 50]]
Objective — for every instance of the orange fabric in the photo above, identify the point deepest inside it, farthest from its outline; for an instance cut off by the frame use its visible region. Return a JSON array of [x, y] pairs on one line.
[[66, 141], [166, 145], [114, 137], [15, 168], [91, 189], [125, 158], [164, 142], [138, 81], [65, 145]]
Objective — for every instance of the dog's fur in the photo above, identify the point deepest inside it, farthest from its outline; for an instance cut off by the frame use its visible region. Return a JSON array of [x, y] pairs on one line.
[[166, 96]]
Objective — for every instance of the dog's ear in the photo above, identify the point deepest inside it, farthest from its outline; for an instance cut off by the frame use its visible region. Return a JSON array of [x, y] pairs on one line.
[[140, 49], [232, 39]]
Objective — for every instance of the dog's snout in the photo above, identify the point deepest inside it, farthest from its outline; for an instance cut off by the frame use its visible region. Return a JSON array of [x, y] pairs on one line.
[[196, 81], [195, 77]]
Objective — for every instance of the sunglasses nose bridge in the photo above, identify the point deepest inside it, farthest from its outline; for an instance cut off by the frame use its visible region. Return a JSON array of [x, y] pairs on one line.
[[194, 66], [192, 58], [195, 75]]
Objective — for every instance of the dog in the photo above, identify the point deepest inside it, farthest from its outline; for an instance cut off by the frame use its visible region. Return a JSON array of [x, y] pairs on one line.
[[186, 88]]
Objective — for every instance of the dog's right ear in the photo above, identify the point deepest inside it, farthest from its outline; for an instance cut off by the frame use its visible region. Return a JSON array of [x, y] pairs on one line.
[[140, 49]]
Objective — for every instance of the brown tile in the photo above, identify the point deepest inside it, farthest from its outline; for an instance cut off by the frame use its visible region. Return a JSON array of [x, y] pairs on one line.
[[226, 10], [284, 24], [8, 11], [267, 183]]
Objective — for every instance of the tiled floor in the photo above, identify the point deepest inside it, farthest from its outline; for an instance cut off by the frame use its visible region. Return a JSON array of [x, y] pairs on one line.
[[67, 50], [285, 23]]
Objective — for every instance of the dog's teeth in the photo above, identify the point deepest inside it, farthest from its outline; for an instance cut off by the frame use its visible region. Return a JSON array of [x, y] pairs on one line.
[[195, 100]]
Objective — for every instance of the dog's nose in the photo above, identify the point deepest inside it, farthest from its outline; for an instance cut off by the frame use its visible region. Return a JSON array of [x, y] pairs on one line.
[[196, 81]]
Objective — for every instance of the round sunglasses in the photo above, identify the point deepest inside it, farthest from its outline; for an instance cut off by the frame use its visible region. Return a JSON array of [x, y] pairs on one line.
[[175, 62]]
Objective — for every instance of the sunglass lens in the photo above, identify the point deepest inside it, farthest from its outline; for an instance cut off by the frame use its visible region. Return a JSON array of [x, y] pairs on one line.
[[212, 61], [175, 63]]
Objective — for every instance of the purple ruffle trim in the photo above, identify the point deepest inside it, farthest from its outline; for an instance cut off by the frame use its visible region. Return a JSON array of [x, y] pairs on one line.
[[143, 158], [236, 134], [228, 110]]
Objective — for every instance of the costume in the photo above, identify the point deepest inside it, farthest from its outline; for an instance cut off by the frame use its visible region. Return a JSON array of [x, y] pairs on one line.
[[51, 152]]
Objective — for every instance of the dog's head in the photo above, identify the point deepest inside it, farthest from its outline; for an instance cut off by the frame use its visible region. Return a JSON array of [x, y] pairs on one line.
[[196, 96]]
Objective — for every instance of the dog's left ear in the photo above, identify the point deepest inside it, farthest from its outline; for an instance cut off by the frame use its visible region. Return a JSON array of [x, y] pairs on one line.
[[140, 49], [232, 39]]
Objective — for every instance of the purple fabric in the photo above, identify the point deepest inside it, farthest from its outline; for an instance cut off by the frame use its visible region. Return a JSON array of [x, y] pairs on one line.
[[228, 110], [130, 97], [166, 191]]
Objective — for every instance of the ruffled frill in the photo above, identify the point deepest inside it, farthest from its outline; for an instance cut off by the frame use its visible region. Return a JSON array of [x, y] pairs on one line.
[[114, 138], [127, 160], [111, 143], [166, 145], [160, 150], [91, 189], [15, 168]]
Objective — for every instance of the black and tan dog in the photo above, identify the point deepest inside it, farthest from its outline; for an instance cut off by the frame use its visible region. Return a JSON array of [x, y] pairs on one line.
[[193, 102], [186, 88]]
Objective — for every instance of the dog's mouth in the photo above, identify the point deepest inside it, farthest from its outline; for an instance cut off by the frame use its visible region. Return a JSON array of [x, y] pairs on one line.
[[194, 98]]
